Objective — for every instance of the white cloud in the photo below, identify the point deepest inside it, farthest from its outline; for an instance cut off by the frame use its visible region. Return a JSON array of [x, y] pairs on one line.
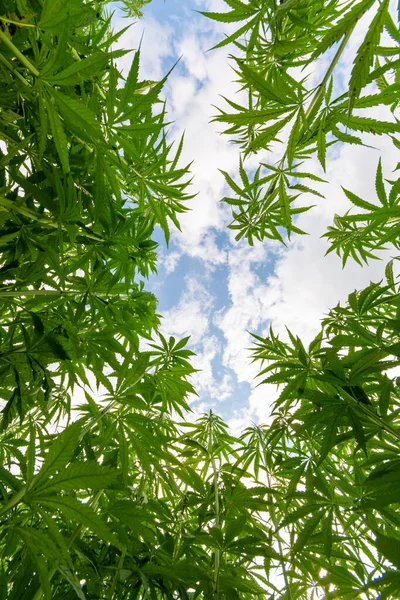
[[191, 91], [170, 261], [246, 292], [258, 409], [155, 47], [191, 315], [302, 284], [205, 381], [205, 248]]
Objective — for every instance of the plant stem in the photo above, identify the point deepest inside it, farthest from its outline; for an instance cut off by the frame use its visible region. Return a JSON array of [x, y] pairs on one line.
[[19, 23], [321, 88], [11, 68], [274, 519], [27, 63], [217, 556], [110, 594]]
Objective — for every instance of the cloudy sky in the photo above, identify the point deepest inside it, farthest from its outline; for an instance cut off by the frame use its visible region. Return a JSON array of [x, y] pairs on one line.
[[209, 286]]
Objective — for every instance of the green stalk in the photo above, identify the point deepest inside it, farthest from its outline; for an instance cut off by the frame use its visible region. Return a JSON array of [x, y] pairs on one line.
[[13, 71], [19, 23], [110, 594], [275, 521], [27, 63], [217, 556], [321, 88], [15, 294]]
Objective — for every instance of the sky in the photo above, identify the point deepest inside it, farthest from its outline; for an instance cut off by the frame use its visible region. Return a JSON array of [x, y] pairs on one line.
[[210, 287]]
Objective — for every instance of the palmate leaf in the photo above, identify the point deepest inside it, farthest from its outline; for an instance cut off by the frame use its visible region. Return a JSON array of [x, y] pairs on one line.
[[239, 13], [77, 476], [343, 26], [263, 71], [267, 135], [366, 53], [358, 235], [59, 454], [76, 234], [79, 118], [263, 86], [55, 13], [75, 512]]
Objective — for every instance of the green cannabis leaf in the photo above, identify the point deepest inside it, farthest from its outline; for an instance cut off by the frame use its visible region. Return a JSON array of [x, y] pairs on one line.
[[109, 488], [272, 41]]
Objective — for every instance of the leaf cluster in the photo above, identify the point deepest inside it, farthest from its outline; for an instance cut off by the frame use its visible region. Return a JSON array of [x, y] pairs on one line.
[[329, 453], [106, 491], [278, 46]]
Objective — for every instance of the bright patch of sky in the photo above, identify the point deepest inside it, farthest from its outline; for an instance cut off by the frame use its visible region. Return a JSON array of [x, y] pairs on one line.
[[209, 286]]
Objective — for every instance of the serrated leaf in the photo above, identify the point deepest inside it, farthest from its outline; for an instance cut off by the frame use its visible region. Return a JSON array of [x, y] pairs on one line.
[[74, 511], [321, 144], [58, 133], [343, 26], [78, 476], [230, 17], [59, 453], [384, 396], [379, 185], [306, 532], [79, 71], [327, 534], [357, 428], [364, 59], [368, 125], [79, 118], [267, 135], [266, 90], [130, 83], [357, 201]]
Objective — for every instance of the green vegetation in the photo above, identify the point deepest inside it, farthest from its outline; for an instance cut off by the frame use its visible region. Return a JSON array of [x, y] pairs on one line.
[[128, 498]]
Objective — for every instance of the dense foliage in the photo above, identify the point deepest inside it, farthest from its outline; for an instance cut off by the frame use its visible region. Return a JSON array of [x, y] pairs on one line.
[[107, 489], [331, 449]]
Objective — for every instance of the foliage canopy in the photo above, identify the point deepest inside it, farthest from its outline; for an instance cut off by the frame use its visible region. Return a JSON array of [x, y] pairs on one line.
[[123, 496]]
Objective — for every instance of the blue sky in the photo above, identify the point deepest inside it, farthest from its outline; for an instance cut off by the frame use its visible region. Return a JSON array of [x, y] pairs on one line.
[[209, 286]]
